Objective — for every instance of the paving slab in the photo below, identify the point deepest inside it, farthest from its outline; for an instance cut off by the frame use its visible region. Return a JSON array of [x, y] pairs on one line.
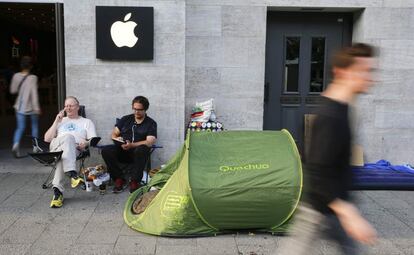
[[92, 249], [23, 231], [51, 243], [99, 234], [144, 245], [14, 248], [224, 244], [176, 249]]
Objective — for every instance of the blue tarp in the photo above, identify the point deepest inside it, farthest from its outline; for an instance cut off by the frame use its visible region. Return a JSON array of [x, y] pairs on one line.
[[382, 175], [386, 165]]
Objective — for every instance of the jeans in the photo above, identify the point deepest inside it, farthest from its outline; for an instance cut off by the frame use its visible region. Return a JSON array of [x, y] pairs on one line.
[[21, 126]]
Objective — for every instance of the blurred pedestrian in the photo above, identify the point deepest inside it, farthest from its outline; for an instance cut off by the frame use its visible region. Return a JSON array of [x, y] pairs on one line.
[[27, 102], [327, 209]]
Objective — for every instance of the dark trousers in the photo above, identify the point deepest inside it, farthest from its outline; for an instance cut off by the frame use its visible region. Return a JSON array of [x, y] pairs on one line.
[[135, 160]]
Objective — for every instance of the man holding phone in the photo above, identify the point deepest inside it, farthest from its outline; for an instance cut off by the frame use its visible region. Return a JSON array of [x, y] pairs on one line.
[[69, 134], [133, 135]]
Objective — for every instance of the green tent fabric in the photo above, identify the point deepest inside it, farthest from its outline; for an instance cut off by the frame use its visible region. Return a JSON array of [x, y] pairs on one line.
[[221, 182]]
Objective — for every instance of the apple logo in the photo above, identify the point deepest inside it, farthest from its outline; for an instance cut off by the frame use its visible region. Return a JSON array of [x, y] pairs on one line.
[[122, 33]]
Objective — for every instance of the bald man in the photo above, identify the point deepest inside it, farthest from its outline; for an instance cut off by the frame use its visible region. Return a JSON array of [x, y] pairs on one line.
[[69, 134]]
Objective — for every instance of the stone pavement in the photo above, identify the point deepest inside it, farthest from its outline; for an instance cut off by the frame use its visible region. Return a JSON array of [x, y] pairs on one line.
[[90, 223]]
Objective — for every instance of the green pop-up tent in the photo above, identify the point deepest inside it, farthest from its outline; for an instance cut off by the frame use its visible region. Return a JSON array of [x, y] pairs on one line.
[[220, 182]]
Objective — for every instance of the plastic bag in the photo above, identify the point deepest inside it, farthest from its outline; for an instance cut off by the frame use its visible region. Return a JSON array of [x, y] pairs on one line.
[[202, 111]]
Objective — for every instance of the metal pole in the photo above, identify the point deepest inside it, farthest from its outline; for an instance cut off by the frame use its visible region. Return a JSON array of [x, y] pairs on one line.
[[60, 54]]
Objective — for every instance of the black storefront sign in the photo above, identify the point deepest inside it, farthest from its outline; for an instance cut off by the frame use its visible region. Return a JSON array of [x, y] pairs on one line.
[[124, 33]]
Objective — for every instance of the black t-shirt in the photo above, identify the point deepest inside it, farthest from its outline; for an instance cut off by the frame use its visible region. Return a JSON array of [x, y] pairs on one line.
[[134, 132], [327, 172]]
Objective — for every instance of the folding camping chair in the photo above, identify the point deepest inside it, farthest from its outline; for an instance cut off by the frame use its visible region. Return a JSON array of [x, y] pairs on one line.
[[51, 159], [127, 167], [147, 167], [48, 159]]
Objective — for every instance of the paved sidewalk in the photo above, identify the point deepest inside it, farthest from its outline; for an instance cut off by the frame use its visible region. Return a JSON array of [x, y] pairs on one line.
[[90, 223]]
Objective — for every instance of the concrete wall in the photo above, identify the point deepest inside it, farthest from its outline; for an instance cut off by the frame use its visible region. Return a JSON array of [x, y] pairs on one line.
[[386, 120], [107, 87], [225, 55], [225, 59]]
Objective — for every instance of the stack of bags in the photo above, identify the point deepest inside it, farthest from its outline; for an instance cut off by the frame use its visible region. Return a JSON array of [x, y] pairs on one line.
[[203, 118]]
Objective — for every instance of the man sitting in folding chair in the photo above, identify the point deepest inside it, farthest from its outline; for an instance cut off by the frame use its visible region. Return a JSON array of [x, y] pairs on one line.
[[133, 135], [69, 134]]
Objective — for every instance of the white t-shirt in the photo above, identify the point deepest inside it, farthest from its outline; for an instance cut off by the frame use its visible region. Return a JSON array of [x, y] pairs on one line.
[[81, 128]]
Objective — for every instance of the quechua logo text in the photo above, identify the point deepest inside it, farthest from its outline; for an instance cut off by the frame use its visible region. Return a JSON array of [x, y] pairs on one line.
[[258, 166]]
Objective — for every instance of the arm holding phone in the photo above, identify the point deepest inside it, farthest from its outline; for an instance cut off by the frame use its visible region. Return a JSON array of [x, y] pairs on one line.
[[52, 131]]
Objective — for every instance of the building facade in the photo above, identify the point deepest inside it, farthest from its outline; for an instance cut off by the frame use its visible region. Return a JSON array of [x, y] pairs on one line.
[[217, 49]]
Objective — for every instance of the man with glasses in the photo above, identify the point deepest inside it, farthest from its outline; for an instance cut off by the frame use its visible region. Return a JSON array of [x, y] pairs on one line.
[[139, 132], [69, 134]]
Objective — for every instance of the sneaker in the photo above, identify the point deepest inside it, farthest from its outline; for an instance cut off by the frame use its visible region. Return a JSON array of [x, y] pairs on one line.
[[57, 201], [133, 186], [75, 181], [15, 150], [37, 149], [119, 186]]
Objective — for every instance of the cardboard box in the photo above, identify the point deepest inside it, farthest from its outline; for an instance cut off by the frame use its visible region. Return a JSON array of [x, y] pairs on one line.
[[357, 155]]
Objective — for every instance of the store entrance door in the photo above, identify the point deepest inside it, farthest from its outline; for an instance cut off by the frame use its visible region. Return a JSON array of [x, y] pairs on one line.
[[298, 51], [35, 30]]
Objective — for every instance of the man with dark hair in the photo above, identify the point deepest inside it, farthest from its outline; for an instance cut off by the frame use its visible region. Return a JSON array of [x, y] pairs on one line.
[[137, 133], [327, 206]]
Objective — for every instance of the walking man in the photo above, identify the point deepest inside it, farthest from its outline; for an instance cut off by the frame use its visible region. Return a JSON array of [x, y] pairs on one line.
[[327, 207]]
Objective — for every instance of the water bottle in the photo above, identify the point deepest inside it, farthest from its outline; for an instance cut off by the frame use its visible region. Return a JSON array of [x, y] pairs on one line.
[[213, 116]]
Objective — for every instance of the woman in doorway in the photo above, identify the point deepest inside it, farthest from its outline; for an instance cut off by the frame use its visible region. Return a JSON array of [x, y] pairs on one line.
[[27, 102]]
